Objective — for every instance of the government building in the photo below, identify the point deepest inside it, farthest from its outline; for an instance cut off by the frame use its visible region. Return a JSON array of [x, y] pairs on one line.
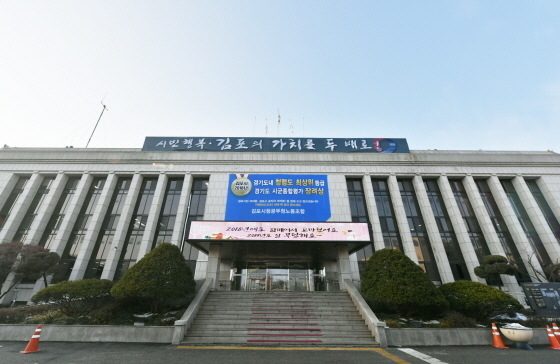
[[282, 214]]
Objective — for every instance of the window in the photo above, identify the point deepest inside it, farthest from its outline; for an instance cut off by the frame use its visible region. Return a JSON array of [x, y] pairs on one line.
[[417, 227], [389, 228], [448, 237]]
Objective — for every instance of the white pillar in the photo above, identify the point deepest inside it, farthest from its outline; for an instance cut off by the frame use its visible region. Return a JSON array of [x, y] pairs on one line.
[[122, 228], [433, 232], [61, 239], [514, 226], [373, 213], [213, 267], [94, 227], [400, 215], [153, 217], [7, 185], [354, 267], [344, 271], [490, 235], [46, 209], [20, 207], [182, 210], [459, 227], [201, 266], [537, 218], [549, 196]]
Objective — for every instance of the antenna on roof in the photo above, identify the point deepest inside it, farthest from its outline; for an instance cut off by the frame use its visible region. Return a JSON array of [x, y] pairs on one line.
[[104, 107]]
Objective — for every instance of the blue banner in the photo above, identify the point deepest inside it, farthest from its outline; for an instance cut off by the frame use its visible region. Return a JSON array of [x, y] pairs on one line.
[[278, 197], [289, 145]]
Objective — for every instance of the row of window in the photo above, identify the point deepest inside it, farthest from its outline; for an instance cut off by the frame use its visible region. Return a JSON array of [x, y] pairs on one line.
[[424, 252], [103, 242]]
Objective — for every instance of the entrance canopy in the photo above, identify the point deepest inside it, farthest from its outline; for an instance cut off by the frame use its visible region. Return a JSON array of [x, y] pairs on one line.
[[242, 240]]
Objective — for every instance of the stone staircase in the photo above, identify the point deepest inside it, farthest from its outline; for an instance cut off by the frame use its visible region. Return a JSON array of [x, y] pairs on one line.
[[279, 319]]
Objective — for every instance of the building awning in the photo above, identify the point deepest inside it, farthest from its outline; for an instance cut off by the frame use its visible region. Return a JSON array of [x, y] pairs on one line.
[[242, 240]]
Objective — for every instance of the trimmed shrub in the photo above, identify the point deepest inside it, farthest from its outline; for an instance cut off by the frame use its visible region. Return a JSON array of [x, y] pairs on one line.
[[76, 298], [53, 317], [453, 319], [19, 314], [495, 264], [161, 275], [393, 280], [477, 300]]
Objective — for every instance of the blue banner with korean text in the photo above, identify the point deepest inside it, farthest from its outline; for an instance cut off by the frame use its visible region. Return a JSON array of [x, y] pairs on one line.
[[278, 197], [292, 145]]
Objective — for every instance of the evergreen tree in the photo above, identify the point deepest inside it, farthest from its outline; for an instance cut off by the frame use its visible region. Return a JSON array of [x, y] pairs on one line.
[[162, 274], [494, 265], [14, 257], [392, 279]]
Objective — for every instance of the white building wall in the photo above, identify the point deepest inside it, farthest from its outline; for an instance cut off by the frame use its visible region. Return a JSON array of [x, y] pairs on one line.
[[544, 166]]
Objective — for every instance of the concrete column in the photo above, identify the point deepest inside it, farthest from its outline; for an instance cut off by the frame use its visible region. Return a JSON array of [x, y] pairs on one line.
[[490, 235], [402, 222], [46, 209], [94, 227], [122, 228], [71, 215], [182, 210], [201, 266], [213, 267], [433, 232], [553, 203], [224, 275], [373, 213], [524, 247], [7, 185], [354, 268], [537, 218], [20, 207], [344, 271], [153, 217], [461, 230]]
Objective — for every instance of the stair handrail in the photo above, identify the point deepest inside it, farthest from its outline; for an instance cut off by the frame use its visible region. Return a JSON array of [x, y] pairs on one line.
[[376, 326], [182, 325]]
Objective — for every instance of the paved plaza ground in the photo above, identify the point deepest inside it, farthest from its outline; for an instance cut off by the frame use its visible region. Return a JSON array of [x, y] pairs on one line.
[[106, 353]]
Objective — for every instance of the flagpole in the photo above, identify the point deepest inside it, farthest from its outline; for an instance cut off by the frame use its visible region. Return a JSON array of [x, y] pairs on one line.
[[278, 126]]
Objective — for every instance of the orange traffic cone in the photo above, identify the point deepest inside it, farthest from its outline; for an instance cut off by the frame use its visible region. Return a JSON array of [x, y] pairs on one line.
[[553, 342], [497, 338], [556, 331], [33, 345]]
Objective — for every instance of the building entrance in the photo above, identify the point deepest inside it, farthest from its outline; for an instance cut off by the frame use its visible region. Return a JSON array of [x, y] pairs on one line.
[[277, 276]]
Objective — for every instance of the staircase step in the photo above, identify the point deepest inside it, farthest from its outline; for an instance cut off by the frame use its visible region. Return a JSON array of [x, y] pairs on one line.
[[279, 318]]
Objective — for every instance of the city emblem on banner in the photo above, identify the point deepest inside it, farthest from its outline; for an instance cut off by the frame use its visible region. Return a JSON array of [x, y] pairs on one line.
[[241, 185], [278, 197]]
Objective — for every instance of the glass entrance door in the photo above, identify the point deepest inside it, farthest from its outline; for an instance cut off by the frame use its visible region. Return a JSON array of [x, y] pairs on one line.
[[277, 280], [299, 276], [272, 276], [256, 277]]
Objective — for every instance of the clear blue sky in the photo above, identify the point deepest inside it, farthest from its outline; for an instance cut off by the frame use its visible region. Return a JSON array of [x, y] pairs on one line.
[[457, 75]]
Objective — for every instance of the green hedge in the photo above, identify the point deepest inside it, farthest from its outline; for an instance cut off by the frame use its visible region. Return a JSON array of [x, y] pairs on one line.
[[161, 275], [76, 298], [394, 281], [477, 300]]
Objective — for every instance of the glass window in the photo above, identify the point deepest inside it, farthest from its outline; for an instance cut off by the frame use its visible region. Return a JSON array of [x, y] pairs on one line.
[[386, 214], [544, 207], [448, 237], [168, 213], [512, 254], [49, 235], [105, 238], [76, 239]]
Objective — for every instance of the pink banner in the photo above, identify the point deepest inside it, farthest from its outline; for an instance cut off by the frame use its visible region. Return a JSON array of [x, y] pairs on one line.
[[245, 230]]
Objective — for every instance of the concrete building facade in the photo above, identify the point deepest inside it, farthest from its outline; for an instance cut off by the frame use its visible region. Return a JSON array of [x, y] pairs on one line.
[[102, 210]]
